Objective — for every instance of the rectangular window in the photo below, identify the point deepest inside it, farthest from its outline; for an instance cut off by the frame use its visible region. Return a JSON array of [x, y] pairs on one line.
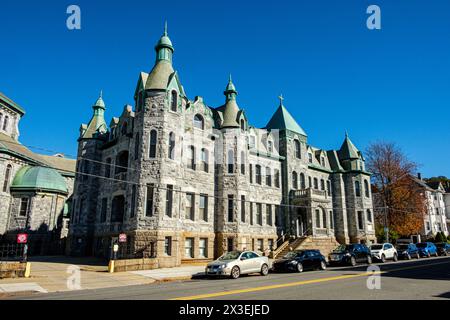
[[251, 213], [268, 177], [168, 246], [230, 244], [108, 168], [103, 210], [133, 201], [203, 207], [428, 225], [149, 200], [230, 208], [360, 220], [252, 142], [270, 244], [310, 158], [258, 174], [260, 246], [259, 213], [251, 173], [203, 248], [169, 200], [189, 248], [190, 198], [277, 178], [318, 221], [243, 208], [24, 203], [331, 220], [269, 214]]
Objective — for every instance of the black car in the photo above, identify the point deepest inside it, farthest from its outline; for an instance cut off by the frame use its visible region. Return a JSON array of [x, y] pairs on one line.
[[350, 254], [407, 251], [300, 260], [443, 248]]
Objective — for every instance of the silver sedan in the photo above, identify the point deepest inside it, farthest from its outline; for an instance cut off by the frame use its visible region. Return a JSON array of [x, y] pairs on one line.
[[235, 263]]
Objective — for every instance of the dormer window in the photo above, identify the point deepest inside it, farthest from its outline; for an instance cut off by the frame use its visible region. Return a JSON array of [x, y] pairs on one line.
[[174, 101], [242, 124], [298, 153], [252, 143], [270, 146], [322, 161], [5, 123], [310, 157], [199, 122], [124, 128]]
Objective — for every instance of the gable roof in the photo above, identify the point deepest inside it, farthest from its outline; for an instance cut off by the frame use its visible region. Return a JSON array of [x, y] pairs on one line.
[[348, 150], [11, 104], [283, 120]]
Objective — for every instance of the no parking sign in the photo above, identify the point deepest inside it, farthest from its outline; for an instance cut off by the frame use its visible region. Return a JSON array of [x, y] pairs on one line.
[[22, 238], [122, 238]]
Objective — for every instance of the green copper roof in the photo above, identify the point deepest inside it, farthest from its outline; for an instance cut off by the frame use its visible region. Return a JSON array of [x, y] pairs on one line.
[[97, 123], [348, 150], [39, 179], [100, 103], [159, 76], [164, 41], [283, 120], [231, 109]]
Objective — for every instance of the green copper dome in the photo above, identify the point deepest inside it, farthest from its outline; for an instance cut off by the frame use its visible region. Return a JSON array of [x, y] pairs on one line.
[[39, 179]]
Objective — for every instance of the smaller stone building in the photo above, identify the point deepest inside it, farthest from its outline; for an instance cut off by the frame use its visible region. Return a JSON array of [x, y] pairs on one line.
[[35, 189]]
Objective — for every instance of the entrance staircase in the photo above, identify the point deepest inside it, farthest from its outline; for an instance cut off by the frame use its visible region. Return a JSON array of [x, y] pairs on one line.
[[325, 245]]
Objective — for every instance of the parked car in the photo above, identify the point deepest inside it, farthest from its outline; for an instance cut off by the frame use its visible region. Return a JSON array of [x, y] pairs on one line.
[[407, 251], [350, 254], [427, 249], [383, 252], [235, 263], [300, 260], [443, 248]]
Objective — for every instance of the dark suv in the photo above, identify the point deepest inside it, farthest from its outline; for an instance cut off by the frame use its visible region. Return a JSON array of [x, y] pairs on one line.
[[443, 248], [350, 254]]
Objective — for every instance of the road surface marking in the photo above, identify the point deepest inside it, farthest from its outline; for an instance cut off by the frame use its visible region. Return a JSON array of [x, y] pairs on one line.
[[299, 283]]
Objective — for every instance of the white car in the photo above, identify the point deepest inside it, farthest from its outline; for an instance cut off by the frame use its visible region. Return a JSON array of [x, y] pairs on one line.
[[383, 252], [235, 263]]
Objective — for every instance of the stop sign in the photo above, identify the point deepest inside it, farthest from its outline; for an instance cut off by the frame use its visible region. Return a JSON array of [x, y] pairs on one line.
[[22, 238], [122, 237]]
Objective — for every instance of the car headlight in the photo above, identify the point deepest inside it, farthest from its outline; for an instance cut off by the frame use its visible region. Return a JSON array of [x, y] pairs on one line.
[[222, 266], [347, 254], [293, 262]]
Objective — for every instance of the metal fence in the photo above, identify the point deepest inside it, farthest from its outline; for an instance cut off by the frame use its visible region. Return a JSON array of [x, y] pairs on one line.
[[12, 252]]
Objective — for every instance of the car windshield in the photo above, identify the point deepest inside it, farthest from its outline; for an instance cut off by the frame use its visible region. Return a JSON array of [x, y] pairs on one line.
[[343, 248], [376, 247], [232, 255], [402, 246], [421, 245], [439, 245], [293, 254]]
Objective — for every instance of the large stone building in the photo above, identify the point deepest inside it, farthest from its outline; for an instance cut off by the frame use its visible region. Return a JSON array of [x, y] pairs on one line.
[[185, 180], [35, 188]]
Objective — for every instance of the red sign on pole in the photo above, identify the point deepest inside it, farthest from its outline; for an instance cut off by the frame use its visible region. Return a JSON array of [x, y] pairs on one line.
[[22, 238], [122, 237]]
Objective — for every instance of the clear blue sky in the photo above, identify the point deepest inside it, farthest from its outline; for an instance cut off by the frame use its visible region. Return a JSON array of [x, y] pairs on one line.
[[335, 74]]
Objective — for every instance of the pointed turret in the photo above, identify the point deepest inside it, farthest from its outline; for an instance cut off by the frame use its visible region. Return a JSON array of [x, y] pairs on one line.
[[162, 71], [283, 120], [348, 150], [97, 123], [231, 109]]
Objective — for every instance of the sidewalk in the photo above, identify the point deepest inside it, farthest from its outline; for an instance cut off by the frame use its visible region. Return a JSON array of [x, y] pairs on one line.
[[51, 274]]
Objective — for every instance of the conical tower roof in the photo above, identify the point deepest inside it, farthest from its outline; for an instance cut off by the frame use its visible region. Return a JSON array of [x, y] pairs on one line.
[[231, 109], [348, 150], [283, 120]]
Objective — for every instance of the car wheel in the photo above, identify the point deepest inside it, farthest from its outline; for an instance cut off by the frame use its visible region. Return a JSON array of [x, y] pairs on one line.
[[235, 272], [445, 253], [369, 260], [408, 256], [383, 258], [323, 265], [395, 258], [352, 261], [299, 267], [264, 270], [428, 255], [436, 254]]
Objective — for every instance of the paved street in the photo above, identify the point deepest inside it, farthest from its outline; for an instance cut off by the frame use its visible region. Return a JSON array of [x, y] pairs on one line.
[[416, 279]]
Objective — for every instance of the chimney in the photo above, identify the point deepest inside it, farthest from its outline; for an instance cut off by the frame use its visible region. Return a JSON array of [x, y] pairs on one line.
[[419, 175]]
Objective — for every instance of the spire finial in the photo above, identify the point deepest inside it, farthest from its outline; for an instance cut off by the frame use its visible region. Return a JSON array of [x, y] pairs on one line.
[[346, 134], [281, 99], [165, 28], [101, 93], [229, 78]]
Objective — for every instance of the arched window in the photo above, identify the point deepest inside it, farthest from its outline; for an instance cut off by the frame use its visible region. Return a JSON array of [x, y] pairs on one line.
[[309, 182], [121, 163], [369, 215], [329, 187], [205, 160], [137, 145], [242, 124], [153, 142], [199, 122], [268, 176], [243, 162], [7, 176], [318, 218], [5, 123], [174, 101], [366, 188], [302, 181], [297, 147], [230, 161], [316, 184], [124, 128], [357, 189], [191, 158], [294, 180], [172, 146]]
